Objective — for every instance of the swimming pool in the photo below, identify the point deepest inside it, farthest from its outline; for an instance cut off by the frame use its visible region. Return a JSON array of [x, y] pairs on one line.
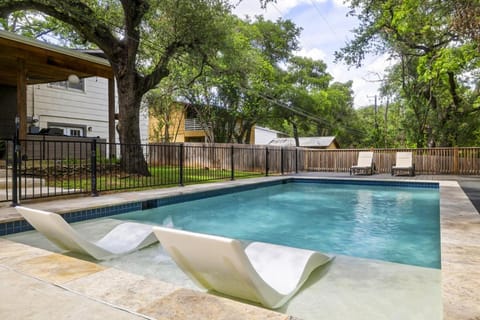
[[375, 221]]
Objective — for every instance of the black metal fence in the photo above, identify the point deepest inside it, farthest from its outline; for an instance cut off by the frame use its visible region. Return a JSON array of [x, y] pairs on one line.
[[46, 167]]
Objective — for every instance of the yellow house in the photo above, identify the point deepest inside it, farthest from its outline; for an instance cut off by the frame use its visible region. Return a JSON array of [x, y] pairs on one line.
[[180, 123]]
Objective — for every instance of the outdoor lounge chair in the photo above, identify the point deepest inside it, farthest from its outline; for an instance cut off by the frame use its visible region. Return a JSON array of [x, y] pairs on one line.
[[364, 164], [122, 239], [404, 162], [264, 273]]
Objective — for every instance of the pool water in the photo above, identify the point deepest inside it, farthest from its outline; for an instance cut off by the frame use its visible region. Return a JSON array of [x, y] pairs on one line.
[[381, 222]]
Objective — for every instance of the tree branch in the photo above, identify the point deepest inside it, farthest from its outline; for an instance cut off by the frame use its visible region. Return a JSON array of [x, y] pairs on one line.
[[453, 90], [72, 12], [134, 11]]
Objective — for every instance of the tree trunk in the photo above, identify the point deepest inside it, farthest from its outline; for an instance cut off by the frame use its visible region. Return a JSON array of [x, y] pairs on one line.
[[130, 97], [167, 129], [295, 134]]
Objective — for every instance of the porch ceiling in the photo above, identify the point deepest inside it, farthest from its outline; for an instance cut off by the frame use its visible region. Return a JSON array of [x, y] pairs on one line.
[[45, 63]]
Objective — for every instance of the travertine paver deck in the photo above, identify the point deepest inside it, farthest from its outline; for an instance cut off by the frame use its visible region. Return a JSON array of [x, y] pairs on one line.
[[37, 284], [24, 297], [460, 234], [460, 224]]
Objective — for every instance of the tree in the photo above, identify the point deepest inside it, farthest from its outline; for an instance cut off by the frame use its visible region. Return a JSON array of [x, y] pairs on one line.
[[165, 114], [298, 85], [465, 18], [433, 64], [308, 104], [339, 115], [229, 95], [140, 38]]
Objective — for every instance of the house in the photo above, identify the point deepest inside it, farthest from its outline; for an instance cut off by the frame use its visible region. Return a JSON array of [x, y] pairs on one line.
[[307, 142], [74, 109], [55, 90], [265, 135], [181, 123]]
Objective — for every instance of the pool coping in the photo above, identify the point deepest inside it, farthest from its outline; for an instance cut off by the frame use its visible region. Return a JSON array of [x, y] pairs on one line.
[[460, 235]]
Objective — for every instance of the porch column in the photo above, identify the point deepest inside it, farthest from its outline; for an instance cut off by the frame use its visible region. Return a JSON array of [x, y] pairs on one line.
[[111, 116], [22, 97]]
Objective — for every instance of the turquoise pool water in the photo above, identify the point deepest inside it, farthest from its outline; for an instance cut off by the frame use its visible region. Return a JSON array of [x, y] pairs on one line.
[[388, 223]]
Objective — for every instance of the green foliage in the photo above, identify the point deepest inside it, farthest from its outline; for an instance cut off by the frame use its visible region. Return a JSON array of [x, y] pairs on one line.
[[228, 92], [165, 111], [312, 105], [141, 39], [432, 81]]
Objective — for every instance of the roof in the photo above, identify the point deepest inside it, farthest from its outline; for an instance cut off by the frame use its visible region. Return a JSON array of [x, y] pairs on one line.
[[269, 130], [45, 62], [310, 142]]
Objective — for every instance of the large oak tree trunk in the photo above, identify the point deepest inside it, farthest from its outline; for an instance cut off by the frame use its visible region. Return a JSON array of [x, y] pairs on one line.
[[130, 97]]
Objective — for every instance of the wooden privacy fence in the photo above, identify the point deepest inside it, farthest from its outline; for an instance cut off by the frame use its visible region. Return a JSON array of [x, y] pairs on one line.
[[42, 147], [462, 161], [240, 157]]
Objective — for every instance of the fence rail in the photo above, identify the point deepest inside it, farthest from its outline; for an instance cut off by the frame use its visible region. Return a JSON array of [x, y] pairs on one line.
[[40, 167], [51, 167]]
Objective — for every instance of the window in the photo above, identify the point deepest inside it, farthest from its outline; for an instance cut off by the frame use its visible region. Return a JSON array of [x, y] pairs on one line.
[[74, 132], [69, 130], [69, 85]]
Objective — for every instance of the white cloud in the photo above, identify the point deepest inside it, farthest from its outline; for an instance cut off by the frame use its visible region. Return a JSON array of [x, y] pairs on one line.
[[341, 3], [279, 8], [314, 53], [253, 8], [366, 80]]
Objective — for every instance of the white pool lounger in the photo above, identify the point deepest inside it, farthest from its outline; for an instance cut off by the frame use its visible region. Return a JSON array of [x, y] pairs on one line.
[[260, 272], [122, 239]]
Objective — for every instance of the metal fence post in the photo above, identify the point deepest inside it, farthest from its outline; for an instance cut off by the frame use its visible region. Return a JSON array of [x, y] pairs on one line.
[[16, 149], [180, 160], [232, 163], [93, 167], [266, 161]]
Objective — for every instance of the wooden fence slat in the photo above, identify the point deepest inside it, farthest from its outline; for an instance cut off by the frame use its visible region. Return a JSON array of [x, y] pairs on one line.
[[252, 158]]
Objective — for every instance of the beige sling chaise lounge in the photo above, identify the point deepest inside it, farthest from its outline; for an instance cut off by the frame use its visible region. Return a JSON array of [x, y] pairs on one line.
[[364, 164], [264, 273], [404, 162], [122, 239]]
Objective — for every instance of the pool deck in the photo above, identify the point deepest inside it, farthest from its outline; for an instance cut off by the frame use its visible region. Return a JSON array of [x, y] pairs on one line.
[[38, 284]]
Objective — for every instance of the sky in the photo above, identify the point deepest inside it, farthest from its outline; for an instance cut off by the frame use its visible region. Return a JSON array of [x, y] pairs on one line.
[[326, 29]]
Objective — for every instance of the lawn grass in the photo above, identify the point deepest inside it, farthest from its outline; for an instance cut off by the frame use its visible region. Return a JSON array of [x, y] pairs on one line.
[[164, 176]]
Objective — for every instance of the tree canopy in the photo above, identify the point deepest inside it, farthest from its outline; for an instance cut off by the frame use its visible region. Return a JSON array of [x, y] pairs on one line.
[[433, 83], [140, 38], [257, 79], [237, 73]]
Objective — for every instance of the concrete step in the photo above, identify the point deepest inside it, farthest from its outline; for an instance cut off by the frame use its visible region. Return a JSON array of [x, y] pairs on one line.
[[33, 192], [25, 182]]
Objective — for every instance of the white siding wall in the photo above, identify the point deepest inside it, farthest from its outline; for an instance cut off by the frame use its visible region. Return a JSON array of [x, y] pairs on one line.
[[264, 135], [56, 105], [67, 106]]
